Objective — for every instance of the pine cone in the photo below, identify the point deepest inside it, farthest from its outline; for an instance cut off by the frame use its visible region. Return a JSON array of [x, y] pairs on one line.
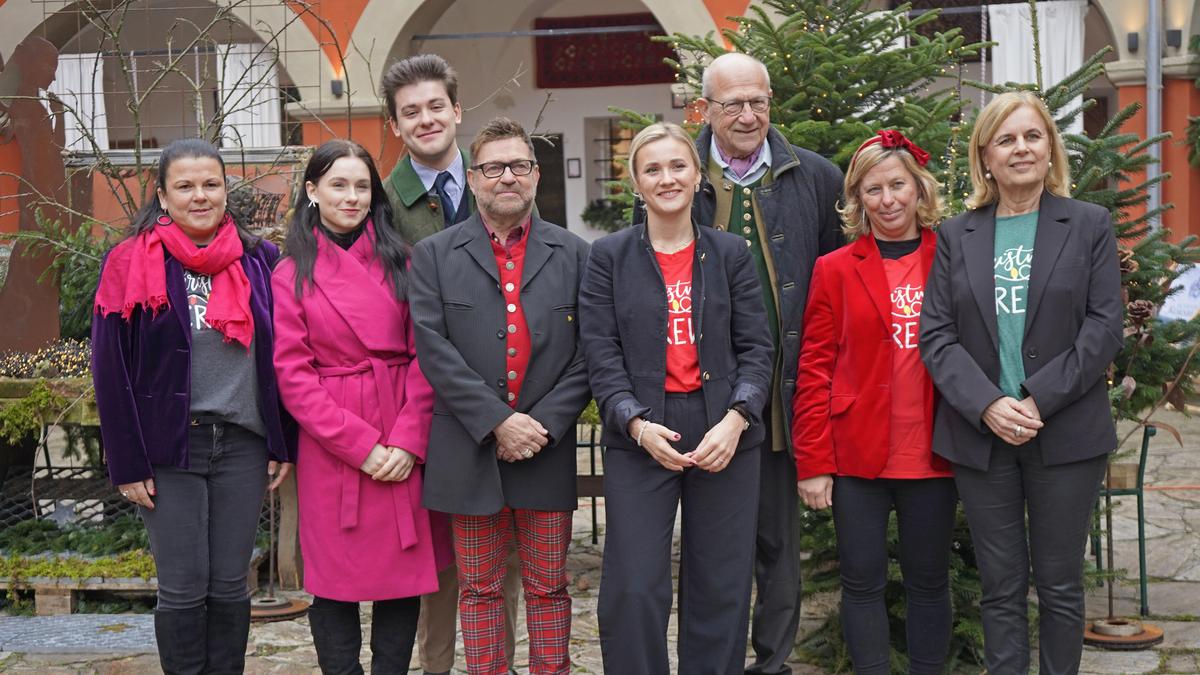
[[1129, 265], [1140, 310]]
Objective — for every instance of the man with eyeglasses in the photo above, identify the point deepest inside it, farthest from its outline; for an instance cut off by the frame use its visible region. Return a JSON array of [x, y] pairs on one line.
[[428, 192], [493, 302], [782, 199]]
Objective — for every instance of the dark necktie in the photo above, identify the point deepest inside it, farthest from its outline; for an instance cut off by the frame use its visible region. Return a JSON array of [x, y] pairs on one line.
[[448, 209]]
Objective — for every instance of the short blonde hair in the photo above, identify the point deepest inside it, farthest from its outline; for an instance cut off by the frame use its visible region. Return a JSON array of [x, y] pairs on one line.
[[854, 215], [657, 132], [1058, 178]]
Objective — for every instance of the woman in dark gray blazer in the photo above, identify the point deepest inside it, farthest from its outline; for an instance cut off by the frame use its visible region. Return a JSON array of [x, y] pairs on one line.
[[1022, 318], [679, 358]]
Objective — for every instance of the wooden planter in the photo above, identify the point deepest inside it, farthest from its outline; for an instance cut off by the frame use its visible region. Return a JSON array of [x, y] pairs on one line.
[[81, 403]]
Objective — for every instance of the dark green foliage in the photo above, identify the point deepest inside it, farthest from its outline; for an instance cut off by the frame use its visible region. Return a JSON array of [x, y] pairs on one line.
[[119, 535], [76, 264], [835, 76]]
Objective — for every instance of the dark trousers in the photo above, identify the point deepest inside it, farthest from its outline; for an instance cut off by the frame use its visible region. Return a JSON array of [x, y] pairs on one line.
[[925, 517], [202, 531], [337, 635], [776, 561], [1058, 501], [205, 517], [717, 536]]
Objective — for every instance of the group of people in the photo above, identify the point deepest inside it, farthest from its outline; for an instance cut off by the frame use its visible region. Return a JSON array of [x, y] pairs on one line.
[[423, 348]]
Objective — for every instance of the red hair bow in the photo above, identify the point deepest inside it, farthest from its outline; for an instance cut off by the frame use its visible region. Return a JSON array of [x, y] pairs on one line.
[[890, 138]]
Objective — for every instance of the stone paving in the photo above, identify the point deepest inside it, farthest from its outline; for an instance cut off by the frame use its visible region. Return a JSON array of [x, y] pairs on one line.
[[124, 643]]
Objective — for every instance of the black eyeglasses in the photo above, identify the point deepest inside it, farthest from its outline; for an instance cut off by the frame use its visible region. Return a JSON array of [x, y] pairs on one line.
[[758, 104], [521, 167]]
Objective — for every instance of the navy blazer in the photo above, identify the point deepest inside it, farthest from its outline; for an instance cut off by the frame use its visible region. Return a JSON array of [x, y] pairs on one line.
[[1073, 330], [623, 322], [142, 372]]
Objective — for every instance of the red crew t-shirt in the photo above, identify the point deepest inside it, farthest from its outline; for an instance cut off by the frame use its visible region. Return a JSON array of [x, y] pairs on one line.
[[910, 454], [683, 360]]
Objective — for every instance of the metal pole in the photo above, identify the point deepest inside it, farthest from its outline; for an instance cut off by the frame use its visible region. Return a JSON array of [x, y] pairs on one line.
[[1154, 101]]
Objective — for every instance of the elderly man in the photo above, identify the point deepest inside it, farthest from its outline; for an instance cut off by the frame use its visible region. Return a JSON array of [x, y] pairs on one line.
[[493, 301], [428, 192], [782, 199]]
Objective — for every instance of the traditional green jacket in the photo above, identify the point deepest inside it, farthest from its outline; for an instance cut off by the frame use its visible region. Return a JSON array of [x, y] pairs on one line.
[[418, 215]]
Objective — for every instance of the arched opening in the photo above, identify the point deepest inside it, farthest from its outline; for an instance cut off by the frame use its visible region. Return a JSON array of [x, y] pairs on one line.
[[499, 75]]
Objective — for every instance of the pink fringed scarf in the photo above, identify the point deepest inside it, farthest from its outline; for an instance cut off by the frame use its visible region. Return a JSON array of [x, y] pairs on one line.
[[136, 275]]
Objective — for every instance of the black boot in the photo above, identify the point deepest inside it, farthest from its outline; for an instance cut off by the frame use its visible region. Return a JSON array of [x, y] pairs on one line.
[[228, 630], [337, 635], [180, 634], [393, 630]]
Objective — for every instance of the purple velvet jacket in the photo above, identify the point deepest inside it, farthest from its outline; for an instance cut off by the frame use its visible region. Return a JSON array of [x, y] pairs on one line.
[[142, 372]]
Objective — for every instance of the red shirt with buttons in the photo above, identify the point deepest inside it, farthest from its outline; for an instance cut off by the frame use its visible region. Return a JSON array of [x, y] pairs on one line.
[[510, 261]]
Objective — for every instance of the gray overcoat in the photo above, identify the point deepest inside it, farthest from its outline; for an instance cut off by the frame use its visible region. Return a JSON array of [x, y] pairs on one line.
[[459, 318]]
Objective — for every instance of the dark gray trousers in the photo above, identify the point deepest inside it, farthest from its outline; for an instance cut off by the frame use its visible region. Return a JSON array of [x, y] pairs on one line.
[[1058, 501], [205, 517], [776, 562], [717, 539]]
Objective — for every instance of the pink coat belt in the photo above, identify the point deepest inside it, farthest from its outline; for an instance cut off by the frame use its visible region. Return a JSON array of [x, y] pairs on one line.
[[407, 495]]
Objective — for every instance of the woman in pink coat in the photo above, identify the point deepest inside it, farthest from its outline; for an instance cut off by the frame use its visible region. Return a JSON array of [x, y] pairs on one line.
[[348, 373]]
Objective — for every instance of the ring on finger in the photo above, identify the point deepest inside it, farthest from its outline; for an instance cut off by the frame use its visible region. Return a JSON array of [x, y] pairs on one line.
[[1018, 430], [124, 493]]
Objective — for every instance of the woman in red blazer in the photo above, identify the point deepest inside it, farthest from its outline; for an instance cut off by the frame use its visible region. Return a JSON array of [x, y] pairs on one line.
[[863, 410]]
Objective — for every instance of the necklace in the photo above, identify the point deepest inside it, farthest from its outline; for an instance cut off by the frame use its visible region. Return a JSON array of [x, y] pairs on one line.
[[675, 248]]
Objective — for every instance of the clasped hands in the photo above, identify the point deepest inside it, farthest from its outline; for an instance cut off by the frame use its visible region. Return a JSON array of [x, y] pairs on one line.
[[713, 453], [519, 437], [1014, 422], [386, 463]]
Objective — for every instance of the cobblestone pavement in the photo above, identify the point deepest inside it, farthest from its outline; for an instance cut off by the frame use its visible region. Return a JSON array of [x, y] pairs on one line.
[[124, 643]]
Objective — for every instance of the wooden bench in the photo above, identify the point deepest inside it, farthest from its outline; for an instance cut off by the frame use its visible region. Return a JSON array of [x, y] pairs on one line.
[[60, 595]]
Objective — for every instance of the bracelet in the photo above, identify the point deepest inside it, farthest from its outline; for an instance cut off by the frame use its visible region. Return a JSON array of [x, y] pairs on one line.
[[641, 431], [741, 411]]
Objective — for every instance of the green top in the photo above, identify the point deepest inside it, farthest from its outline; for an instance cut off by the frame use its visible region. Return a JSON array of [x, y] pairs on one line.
[[743, 221], [1012, 263]]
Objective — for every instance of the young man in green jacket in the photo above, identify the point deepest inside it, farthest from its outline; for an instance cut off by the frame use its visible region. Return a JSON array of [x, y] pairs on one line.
[[428, 190]]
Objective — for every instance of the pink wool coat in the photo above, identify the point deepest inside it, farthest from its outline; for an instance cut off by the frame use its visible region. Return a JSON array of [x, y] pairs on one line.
[[348, 373]]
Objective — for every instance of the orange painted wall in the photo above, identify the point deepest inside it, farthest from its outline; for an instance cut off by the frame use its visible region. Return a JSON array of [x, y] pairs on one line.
[[368, 130], [720, 9], [10, 162], [1181, 99], [1137, 124], [338, 16]]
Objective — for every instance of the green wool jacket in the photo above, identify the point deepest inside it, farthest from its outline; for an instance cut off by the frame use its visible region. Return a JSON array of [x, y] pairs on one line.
[[416, 214]]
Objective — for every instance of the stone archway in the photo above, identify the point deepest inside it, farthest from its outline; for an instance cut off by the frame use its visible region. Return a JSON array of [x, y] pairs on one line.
[[303, 58]]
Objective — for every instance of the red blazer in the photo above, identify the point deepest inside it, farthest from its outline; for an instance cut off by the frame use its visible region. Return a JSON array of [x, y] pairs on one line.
[[842, 408]]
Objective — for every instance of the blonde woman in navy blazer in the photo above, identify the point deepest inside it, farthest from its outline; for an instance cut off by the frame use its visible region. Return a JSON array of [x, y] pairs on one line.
[[679, 359], [1022, 317]]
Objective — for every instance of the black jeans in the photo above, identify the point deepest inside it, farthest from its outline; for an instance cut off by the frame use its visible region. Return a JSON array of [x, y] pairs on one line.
[[205, 517], [337, 635], [925, 517], [716, 555], [1058, 500]]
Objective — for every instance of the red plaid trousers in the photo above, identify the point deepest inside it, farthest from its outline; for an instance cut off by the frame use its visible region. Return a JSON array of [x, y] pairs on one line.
[[481, 547]]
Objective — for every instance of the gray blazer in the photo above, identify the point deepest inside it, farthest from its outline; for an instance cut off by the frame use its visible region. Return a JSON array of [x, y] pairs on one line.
[[459, 321], [1073, 329]]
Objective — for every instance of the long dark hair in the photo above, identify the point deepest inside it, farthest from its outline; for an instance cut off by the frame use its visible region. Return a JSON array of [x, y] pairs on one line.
[[147, 216], [301, 243]]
